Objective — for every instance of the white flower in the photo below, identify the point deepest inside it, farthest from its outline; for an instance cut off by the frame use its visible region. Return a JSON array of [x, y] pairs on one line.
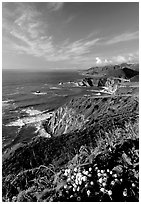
[[68, 180], [133, 185], [99, 174], [86, 173], [74, 185], [86, 185], [110, 192], [121, 179], [96, 168], [102, 190], [68, 170], [102, 171], [115, 175], [111, 172], [100, 180], [90, 169], [75, 169], [88, 192], [80, 182], [74, 189], [78, 189], [108, 170], [65, 186], [112, 183], [103, 184], [84, 178], [92, 183], [124, 193]]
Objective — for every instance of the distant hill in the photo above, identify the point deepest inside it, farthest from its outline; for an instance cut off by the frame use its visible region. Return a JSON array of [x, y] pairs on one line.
[[135, 79], [123, 70]]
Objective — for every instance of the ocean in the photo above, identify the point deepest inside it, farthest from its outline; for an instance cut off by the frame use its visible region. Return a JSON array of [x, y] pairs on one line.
[[27, 98]]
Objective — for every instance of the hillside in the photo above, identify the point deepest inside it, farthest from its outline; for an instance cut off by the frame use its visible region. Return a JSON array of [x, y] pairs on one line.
[[123, 70], [102, 137]]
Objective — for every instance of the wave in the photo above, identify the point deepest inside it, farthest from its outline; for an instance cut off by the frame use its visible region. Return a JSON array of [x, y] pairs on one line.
[[53, 87], [11, 94], [31, 111], [40, 93], [30, 120]]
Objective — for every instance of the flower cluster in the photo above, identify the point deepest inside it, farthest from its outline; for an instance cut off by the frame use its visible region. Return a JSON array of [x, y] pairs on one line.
[[89, 183]]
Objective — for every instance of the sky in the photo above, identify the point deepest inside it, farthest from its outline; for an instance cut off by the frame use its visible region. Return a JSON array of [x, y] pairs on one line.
[[70, 35]]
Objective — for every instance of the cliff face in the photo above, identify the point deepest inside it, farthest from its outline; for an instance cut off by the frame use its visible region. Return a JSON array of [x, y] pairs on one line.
[[80, 112], [65, 120]]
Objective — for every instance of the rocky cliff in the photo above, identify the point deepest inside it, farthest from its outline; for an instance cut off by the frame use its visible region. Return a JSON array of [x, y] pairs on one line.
[[83, 110]]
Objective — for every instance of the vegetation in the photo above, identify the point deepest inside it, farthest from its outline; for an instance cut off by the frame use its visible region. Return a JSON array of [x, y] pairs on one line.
[[100, 162]]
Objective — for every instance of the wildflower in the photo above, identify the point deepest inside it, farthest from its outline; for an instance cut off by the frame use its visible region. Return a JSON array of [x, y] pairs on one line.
[[96, 168], [88, 192], [75, 169], [80, 182], [102, 171], [65, 186], [68, 180], [115, 175], [86, 173], [116, 180], [112, 183], [86, 185], [100, 180], [90, 169], [121, 179], [89, 175], [109, 192], [92, 183], [74, 189], [103, 184], [105, 174], [108, 170], [125, 192], [133, 185], [74, 185], [71, 196], [102, 190], [78, 189], [84, 178], [111, 172], [99, 174], [98, 171]]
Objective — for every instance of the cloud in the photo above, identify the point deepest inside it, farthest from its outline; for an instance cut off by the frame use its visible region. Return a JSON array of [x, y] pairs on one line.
[[29, 35], [98, 60], [119, 59], [123, 37], [55, 6]]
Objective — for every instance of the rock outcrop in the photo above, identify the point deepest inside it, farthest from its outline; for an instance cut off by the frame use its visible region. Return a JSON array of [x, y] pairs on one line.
[[79, 111]]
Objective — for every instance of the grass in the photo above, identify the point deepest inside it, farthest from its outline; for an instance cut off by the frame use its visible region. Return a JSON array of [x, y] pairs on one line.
[[107, 143]]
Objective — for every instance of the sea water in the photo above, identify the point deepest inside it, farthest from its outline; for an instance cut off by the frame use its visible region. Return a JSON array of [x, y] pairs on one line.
[[29, 97]]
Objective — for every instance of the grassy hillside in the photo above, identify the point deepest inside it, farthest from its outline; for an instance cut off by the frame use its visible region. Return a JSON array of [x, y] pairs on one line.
[[103, 153]]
